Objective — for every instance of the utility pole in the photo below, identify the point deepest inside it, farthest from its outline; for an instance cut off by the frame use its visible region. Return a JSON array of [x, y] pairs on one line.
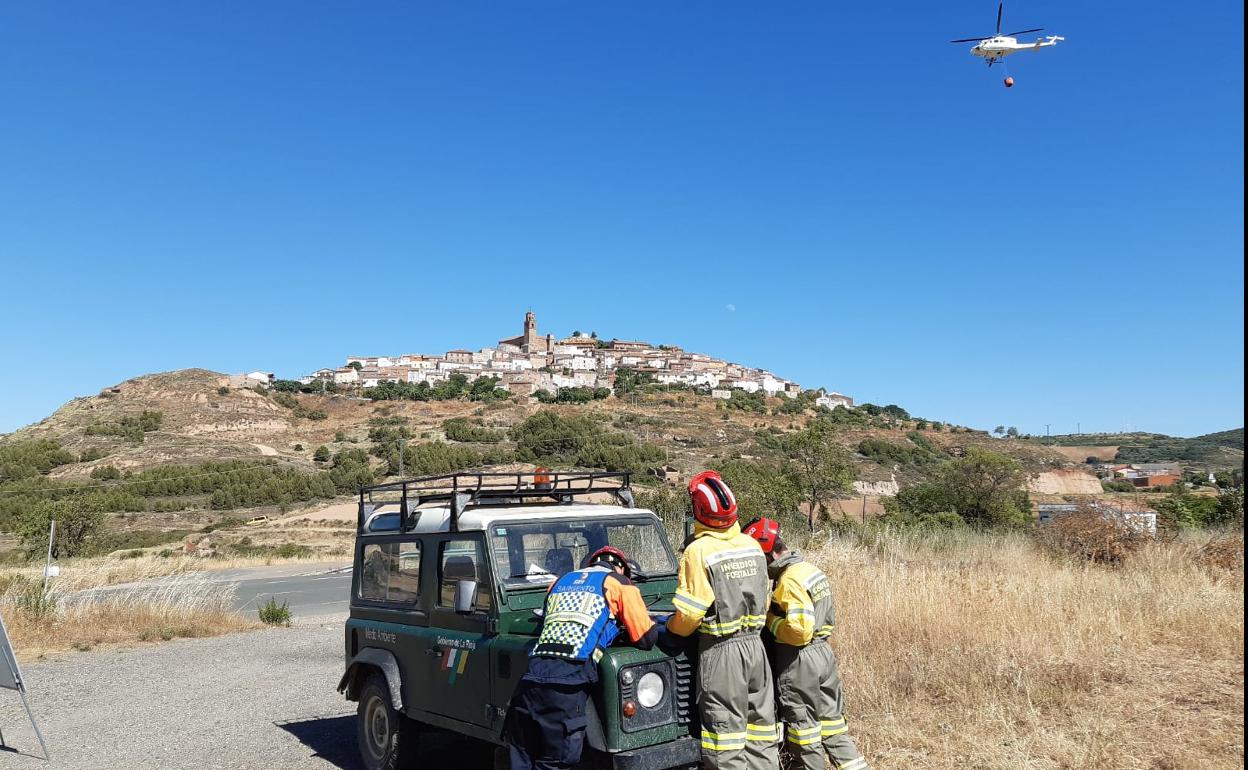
[[1046, 434]]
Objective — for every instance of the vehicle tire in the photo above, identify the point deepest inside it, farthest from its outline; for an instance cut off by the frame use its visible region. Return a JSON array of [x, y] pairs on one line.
[[386, 738]]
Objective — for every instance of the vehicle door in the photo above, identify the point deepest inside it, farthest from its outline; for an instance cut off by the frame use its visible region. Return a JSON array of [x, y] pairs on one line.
[[458, 655], [388, 607]]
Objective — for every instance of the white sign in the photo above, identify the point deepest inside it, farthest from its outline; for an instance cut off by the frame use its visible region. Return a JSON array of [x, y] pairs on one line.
[[52, 570]]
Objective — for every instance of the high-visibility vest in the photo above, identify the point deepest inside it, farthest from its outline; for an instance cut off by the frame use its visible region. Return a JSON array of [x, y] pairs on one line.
[[724, 585], [577, 624], [803, 596]]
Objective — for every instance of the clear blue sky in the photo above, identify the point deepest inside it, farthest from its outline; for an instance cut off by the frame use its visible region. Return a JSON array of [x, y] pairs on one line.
[[277, 185]]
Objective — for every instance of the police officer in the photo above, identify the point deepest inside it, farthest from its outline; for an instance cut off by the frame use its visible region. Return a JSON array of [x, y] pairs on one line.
[[722, 595], [808, 684], [586, 610]]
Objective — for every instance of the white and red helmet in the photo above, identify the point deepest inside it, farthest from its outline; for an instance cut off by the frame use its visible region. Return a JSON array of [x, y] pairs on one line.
[[713, 502]]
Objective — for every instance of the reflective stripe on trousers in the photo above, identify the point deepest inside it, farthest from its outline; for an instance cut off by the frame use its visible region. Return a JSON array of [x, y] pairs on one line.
[[810, 700], [736, 704]]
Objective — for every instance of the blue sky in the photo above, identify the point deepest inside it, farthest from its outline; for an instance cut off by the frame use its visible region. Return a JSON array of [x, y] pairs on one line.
[[830, 190]]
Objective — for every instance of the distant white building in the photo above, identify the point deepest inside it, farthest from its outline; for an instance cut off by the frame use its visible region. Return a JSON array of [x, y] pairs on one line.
[[252, 379], [833, 400]]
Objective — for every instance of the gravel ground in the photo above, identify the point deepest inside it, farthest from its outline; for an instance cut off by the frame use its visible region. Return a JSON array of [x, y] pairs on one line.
[[264, 699]]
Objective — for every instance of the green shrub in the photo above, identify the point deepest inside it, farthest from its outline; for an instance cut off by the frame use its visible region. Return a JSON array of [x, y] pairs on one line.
[[76, 528], [105, 473], [273, 614], [748, 402], [552, 439], [888, 453], [92, 455], [921, 441], [315, 415], [29, 599], [629, 380], [983, 488], [321, 455], [464, 429], [26, 459], [284, 399], [130, 427]]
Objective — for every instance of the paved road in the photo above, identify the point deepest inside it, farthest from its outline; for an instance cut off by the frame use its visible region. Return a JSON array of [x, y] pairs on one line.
[[313, 591], [264, 699]]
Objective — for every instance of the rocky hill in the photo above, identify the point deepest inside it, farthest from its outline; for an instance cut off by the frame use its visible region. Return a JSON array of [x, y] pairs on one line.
[[166, 456], [202, 419]]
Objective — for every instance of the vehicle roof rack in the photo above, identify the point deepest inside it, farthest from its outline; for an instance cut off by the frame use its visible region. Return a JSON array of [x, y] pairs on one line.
[[467, 489]]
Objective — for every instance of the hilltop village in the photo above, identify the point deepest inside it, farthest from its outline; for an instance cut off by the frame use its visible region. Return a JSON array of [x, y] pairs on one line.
[[531, 363]]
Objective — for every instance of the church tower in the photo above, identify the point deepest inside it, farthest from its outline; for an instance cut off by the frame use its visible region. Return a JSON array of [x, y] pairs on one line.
[[529, 341]]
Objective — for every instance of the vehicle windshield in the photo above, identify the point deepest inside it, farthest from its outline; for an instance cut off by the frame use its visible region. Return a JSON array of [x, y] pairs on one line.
[[538, 552]]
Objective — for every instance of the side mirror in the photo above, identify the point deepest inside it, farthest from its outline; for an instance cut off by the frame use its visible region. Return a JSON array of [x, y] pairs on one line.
[[465, 596]]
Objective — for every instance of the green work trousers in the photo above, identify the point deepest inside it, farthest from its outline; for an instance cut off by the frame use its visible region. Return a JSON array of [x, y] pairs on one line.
[[736, 704], [808, 686]]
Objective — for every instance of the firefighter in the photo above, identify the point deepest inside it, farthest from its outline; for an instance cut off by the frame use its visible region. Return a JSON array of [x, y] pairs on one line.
[[808, 684], [722, 597], [585, 611]]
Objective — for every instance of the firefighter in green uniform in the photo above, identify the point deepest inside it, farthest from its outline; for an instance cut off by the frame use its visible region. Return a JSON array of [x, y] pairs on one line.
[[722, 595], [808, 683]]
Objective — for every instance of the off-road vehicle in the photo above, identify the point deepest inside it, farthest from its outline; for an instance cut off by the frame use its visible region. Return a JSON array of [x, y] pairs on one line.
[[451, 573]]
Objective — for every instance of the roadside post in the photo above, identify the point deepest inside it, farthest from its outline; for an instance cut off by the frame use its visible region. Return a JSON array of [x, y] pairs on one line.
[[47, 565], [11, 679]]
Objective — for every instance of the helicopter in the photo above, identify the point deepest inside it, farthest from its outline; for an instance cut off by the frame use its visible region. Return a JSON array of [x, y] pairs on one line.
[[997, 46]]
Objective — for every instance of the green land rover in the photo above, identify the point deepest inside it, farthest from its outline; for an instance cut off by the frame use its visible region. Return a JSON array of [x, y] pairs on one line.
[[451, 574]]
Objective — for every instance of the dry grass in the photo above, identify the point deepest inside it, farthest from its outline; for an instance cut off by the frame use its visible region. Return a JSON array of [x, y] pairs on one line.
[[98, 571], [982, 651], [81, 615]]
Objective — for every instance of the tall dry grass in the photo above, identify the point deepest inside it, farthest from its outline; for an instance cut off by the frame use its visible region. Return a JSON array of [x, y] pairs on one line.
[[89, 611], [967, 650], [97, 571]]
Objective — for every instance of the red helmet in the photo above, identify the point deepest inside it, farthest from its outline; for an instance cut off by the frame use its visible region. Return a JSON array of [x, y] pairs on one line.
[[612, 556], [713, 502], [765, 531]]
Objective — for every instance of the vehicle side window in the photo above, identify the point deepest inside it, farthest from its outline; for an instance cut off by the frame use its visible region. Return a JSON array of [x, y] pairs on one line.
[[463, 560], [390, 572]]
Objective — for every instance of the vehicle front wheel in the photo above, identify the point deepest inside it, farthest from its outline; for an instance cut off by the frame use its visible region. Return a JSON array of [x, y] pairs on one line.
[[387, 739]]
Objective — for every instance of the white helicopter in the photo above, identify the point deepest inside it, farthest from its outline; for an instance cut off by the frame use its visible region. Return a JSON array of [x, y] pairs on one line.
[[998, 46]]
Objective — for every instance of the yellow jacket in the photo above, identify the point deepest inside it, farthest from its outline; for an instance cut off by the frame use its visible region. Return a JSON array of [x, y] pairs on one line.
[[722, 587], [801, 604]]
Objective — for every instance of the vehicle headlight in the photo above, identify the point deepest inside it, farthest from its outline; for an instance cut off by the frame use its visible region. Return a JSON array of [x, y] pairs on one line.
[[650, 690]]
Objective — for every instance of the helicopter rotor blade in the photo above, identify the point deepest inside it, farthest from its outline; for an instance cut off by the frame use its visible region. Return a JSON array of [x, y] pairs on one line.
[[970, 40], [1025, 31], [1000, 8]]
